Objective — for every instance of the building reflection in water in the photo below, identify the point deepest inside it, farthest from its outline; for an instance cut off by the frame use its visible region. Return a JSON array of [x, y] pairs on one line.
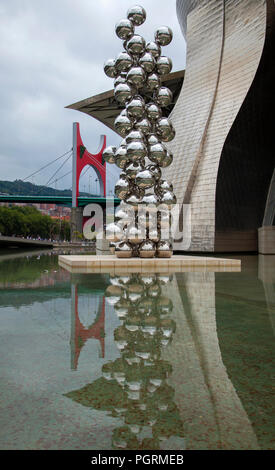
[[266, 274], [169, 388]]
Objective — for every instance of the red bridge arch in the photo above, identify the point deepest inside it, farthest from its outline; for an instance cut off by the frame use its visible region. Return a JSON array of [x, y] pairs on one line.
[[82, 158], [80, 334]]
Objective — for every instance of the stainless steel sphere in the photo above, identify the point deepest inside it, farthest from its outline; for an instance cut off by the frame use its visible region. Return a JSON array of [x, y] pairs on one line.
[[123, 250], [164, 249], [122, 216], [125, 29], [167, 160], [147, 62], [147, 279], [153, 111], [136, 45], [112, 247], [136, 108], [123, 92], [122, 187], [164, 65], [143, 219], [154, 235], [145, 179], [123, 62], [154, 49], [164, 219], [120, 79], [157, 153], [164, 97], [164, 305], [165, 129], [150, 199], [163, 185], [144, 125], [163, 35], [135, 235], [136, 77], [164, 279], [132, 168], [153, 82], [147, 249], [168, 198], [137, 15], [109, 154], [155, 170], [133, 199], [122, 225], [121, 157], [123, 125], [152, 139], [110, 68], [114, 232], [134, 136], [113, 294], [136, 150]]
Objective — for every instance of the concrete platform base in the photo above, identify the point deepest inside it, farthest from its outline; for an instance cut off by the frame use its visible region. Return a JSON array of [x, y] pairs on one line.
[[266, 237], [178, 263], [102, 246]]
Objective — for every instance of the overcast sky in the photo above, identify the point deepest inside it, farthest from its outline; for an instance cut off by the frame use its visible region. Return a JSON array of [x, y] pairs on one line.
[[52, 54]]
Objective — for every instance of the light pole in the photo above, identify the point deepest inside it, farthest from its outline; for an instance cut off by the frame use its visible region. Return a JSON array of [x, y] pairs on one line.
[[96, 180]]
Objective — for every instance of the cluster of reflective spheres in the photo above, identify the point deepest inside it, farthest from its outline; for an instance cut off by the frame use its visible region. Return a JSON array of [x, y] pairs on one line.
[[142, 153], [143, 399]]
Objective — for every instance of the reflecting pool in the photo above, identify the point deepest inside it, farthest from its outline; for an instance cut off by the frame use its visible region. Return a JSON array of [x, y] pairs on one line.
[[136, 361]]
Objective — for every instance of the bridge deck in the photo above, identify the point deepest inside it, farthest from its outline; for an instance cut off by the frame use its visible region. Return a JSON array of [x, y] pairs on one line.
[[62, 200]]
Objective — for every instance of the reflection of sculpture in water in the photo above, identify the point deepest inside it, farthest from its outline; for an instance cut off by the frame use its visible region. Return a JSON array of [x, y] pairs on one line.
[[134, 387]]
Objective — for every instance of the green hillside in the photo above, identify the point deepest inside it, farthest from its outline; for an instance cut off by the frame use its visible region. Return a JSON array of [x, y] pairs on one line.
[[24, 188]]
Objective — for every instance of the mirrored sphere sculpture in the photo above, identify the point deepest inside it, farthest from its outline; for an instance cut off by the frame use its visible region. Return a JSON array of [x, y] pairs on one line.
[[154, 49], [123, 62], [123, 92], [164, 96], [109, 154], [136, 76], [123, 125], [147, 62], [136, 45], [125, 29], [146, 198], [110, 68], [164, 65], [163, 35], [123, 250], [137, 15]]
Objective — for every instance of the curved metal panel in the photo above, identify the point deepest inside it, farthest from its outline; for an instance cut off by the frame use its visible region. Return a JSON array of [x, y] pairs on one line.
[[224, 45]]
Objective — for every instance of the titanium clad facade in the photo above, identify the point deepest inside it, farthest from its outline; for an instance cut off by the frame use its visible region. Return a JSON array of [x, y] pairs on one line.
[[211, 169]]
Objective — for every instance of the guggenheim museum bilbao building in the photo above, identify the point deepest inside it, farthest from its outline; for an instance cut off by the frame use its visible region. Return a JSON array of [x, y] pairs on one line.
[[224, 153]]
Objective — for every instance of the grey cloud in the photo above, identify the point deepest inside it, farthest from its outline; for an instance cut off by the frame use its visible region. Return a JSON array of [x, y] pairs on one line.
[[52, 54]]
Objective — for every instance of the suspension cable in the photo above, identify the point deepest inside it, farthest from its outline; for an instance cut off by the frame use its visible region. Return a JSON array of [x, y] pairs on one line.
[[58, 170], [48, 164], [63, 176]]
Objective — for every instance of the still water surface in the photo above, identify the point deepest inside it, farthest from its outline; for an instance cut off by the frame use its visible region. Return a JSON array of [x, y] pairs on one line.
[[93, 361]]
